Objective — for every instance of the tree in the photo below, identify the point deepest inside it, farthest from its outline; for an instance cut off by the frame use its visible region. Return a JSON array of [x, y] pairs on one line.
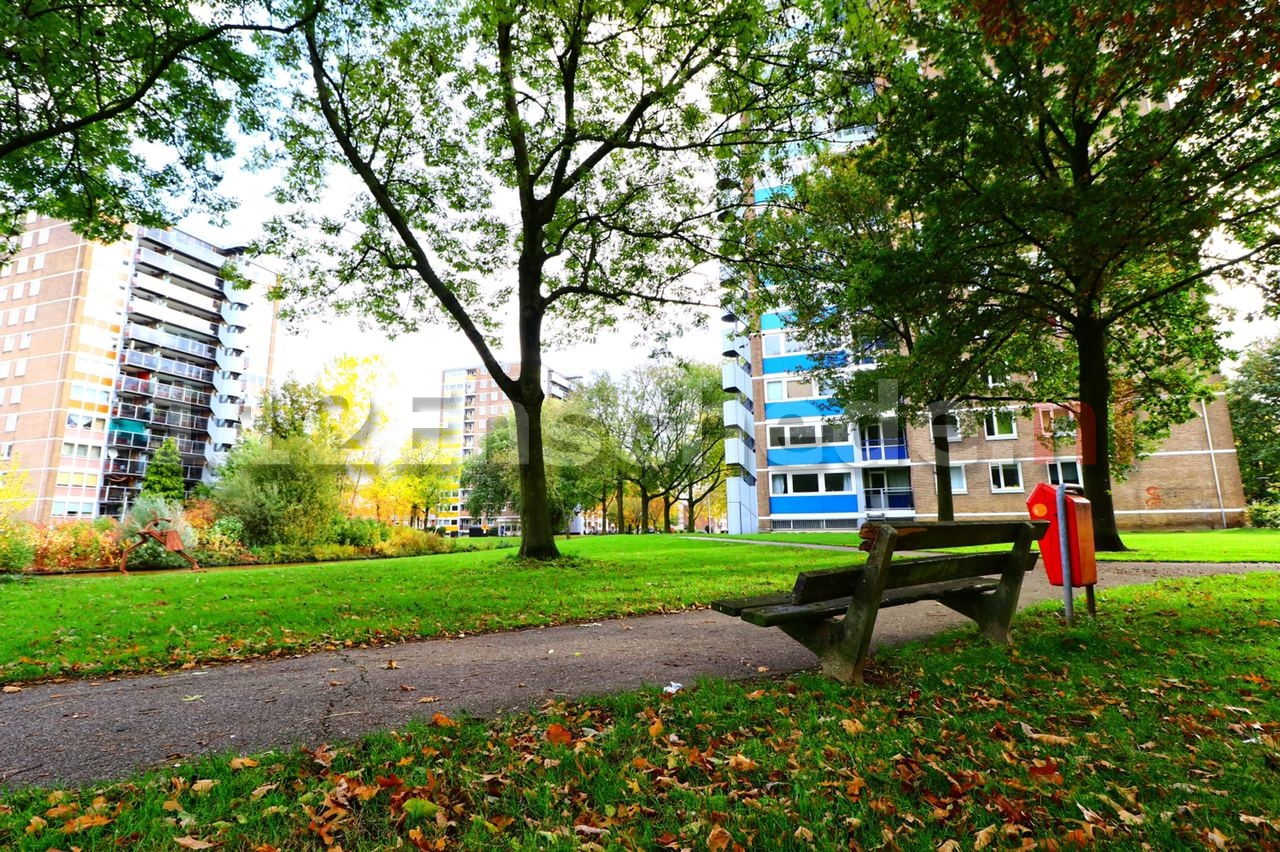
[[291, 409], [81, 85], [489, 477], [163, 478], [1075, 158], [594, 120], [1253, 397], [424, 475], [284, 491]]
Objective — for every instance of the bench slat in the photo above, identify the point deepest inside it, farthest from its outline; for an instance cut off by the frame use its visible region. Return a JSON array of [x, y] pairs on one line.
[[771, 615], [950, 566], [812, 586], [734, 606], [928, 536]]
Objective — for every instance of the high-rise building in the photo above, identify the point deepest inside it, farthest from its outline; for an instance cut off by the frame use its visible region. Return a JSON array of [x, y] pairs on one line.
[[470, 401], [108, 350]]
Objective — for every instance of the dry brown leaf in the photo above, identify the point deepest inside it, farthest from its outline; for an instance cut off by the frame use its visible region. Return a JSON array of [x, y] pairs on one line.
[[429, 699], [742, 763], [950, 846], [442, 721], [243, 762], [719, 839], [203, 786], [391, 664], [171, 805], [10, 690], [852, 727], [558, 734], [259, 792], [189, 842], [84, 821], [36, 825], [1047, 739], [985, 838], [655, 730], [804, 834]]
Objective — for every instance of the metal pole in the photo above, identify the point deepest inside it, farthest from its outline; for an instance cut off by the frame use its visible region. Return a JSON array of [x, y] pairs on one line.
[[1064, 553]]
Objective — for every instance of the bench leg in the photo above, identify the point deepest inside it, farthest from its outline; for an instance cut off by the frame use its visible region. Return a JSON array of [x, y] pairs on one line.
[[841, 659], [991, 611]]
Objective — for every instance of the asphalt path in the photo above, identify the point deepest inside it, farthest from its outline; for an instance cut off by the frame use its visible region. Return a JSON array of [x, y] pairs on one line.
[[80, 732]]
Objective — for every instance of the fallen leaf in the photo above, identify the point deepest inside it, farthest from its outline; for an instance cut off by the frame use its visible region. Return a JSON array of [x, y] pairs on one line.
[[259, 792], [193, 698], [85, 821], [428, 699], [404, 687], [189, 842], [559, 735], [655, 730], [203, 786], [391, 664], [1047, 739], [243, 762], [742, 763], [442, 721], [173, 806], [10, 690], [804, 834], [36, 825], [950, 846], [984, 838], [852, 727], [719, 839]]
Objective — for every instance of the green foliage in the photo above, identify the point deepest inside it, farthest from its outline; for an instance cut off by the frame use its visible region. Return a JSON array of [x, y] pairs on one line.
[[1253, 398], [163, 479], [161, 514], [359, 532], [490, 476], [17, 548], [88, 87], [1264, 515], [283, 491]]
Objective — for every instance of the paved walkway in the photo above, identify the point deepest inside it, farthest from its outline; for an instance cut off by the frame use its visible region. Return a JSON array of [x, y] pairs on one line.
[[84, 731]]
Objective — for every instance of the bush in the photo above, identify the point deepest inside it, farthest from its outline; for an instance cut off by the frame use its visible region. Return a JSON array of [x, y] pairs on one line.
[[407, 541], [360, 532], [77, 545], [17, 550], [166, 515], [1264, 515]]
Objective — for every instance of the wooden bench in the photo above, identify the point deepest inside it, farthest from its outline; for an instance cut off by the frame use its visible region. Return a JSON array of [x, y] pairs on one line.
[[833, 612]]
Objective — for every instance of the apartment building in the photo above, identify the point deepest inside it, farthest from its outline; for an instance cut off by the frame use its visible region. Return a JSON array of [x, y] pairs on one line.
[[107, 350], [470, 402], [798, 464]]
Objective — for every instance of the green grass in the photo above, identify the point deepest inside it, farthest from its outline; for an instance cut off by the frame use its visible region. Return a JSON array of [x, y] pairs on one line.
[[1157, 726], [1241, 545], [101, 624]]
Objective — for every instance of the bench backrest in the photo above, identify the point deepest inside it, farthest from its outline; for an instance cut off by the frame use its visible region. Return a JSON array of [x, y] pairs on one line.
[[813, 586]]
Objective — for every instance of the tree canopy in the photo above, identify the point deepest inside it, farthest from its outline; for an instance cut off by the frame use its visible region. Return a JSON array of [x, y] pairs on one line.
[[1253, 397], [542, 161], [113, 112], [1066, 165], [163, 478]]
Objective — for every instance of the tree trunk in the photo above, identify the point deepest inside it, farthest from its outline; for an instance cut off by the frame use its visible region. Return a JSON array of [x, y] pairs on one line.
[[537, 538], [644, 511], [939, 414], [666, 513], [622, 518], [689, 525], [604, 508], [1095, 432]]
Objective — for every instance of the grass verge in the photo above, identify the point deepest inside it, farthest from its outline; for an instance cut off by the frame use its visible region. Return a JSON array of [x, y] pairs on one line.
[[1220, 546], [1158, 726], [103, 624]]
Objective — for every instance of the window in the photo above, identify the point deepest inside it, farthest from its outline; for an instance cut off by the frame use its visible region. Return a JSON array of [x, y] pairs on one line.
[[37, 262], [777, 436], [959, 483], [24, 342], [13, 316], [837, 482], [19, 367], [6, 450], [35, 285], [1056, 421], [79, 421], [950, 423], [804, 483], [8, 343], [828, 482], [772, 344], [1006, 476], [835, 433], [1063, 471], [1001, 425], [30, 315], [773, 391], [803, 435], [11, 423], [15, 395]]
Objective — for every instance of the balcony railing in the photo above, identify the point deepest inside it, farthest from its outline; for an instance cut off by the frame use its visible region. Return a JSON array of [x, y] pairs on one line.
[[135, 440], [132, 467], [178, 343], [888, 498], [183, 395], [127, 384], [881, 449]]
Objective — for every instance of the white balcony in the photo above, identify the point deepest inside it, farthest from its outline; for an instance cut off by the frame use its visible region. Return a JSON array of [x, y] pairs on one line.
[[231, 336], [174, 265], [735, 379], [736, 415], [741, 506], [227, 385], [738, 454], [223, 435], [138, 305], [225, 410], [234, 313], [174, 292], [230, 363], [734, 342]]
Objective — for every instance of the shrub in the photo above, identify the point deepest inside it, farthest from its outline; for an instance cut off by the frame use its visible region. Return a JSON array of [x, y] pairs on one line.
[[407, 541], [17, 550], [77, 545], [360, 532], [1264, 515]]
